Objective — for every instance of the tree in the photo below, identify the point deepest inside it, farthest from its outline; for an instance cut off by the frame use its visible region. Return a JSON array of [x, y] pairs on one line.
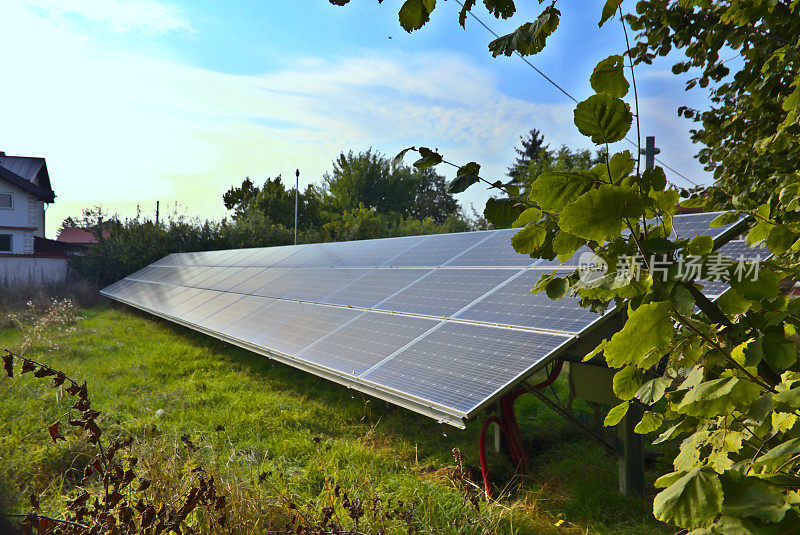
[[276, 203], [754, 90], [721, 378], [532, 149], [369, 180]]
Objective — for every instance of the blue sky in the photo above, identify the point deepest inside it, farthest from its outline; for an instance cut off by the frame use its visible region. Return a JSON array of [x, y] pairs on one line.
[[133, 101]]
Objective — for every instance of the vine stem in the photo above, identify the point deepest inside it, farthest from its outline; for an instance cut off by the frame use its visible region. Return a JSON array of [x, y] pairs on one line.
[[492, 185], [635, 94]]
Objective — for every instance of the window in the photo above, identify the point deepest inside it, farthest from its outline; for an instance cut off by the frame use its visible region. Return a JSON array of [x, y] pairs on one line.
[[6, 200], [5, 243]]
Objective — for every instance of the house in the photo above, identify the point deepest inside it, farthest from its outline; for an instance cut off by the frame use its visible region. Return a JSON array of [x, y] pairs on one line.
[[26, 256]]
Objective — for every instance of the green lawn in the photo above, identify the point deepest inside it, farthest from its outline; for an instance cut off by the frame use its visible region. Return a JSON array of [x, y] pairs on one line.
[[287, 436]]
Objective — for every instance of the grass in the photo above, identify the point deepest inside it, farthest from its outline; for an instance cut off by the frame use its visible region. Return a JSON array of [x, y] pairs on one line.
[[274, 434]]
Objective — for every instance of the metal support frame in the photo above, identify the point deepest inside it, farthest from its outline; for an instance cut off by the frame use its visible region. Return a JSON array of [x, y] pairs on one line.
[[631, 453]]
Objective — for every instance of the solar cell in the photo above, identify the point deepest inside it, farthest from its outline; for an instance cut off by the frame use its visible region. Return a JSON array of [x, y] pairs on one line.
[[210, 307], [248, 304], [496, 250], [219, 276], [194, 299], [309, 284], [375, 286], [462, 366], [690, 225], [273, 313], [374, 253], [345, 350], [514, 304], [262, 278], [445, 291], [312, 323], [437, 249]]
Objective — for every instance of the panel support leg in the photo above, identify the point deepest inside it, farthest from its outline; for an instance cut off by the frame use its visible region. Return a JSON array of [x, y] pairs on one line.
[[631, 454]]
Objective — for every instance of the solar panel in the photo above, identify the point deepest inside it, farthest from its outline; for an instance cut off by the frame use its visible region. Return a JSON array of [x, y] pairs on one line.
[[344, 350], [440, 324], [460, 365], [514, 304]]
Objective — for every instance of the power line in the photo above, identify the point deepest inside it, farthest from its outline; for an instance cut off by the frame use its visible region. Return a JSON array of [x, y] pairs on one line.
[[543, 75]]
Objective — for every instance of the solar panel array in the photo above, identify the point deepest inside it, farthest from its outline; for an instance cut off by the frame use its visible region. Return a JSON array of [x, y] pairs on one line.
[[440, 324]]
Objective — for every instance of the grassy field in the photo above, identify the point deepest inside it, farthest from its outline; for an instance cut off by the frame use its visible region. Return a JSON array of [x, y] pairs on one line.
[[275, 435]]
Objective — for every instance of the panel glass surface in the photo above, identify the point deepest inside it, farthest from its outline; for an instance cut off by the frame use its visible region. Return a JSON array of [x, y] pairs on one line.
[[514, 304], [437, 249], [366, 341], [248, 304], [739, 249], [218, 276], [445, 291], [233, 276], [310, 284], [311, 324], [374, 253], [690, 225], [212, 306], [375, 286], [265, 276], [252, 326], [461, 365], [192, 301], [496, 250]]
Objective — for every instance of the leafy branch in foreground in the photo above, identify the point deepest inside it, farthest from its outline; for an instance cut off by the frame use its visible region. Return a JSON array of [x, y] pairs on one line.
[[720, 379]]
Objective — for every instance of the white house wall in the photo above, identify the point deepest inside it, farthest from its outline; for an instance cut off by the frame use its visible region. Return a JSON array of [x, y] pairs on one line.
[[23, 221]]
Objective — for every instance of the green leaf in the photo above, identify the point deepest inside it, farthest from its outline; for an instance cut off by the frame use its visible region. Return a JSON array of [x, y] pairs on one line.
[[653, 390], [466, 176], [609, 9], [502, 212], [668, 479], [732, 303], [616, 414], [650, 422], [700, 245], [557, 288], [648, 327], [565, 245], [718, 397], [759, 232], [620, 165], [530, 215], [764, 287], [529, 38], [415, 13], [777, 456], [529, 238], [780, 240], [609, 77], [554, 190], [779, 352], [465, 8], [723, 220], [604, 118], [656, 179], [683, 300], [696, 202], [594, 352], [428, 158], [793, 100], [752, 497], [400, 155], [500, 8], [626, 382], [692, 501], [599, 214]]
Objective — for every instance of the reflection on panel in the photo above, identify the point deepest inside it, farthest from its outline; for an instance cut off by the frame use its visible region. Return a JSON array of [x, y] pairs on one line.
[[248, 304], [265, 318], [262, 278], [375, 286], [688, 226], [514, 304], [210, 307], [348, 351], [446, 291], [310, 284], [496, 250], [373, 253], [437, 249], [461, 365], [311, 324]]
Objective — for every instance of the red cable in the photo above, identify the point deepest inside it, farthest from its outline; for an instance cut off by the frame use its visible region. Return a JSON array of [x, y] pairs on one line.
[[510, 429]]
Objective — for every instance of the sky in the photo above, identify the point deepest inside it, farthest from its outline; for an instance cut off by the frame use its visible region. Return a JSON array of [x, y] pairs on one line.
[[134, 101]]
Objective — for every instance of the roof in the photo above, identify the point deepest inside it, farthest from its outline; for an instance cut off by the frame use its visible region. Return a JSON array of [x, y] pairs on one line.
[[56, 249], [76, 235], [29, 174]]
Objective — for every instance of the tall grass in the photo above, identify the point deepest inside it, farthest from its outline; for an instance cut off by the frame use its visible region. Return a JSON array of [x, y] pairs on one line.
[[282, 441]]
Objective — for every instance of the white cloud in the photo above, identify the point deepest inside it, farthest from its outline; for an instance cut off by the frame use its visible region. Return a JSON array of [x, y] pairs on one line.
[[124, 128], [149, 16]]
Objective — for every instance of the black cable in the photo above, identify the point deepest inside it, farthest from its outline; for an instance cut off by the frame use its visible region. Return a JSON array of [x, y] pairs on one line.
[[543, 75]]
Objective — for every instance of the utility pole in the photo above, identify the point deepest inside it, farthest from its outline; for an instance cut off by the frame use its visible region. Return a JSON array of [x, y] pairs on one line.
[[296, 189], [156, 212], [649, 151]]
